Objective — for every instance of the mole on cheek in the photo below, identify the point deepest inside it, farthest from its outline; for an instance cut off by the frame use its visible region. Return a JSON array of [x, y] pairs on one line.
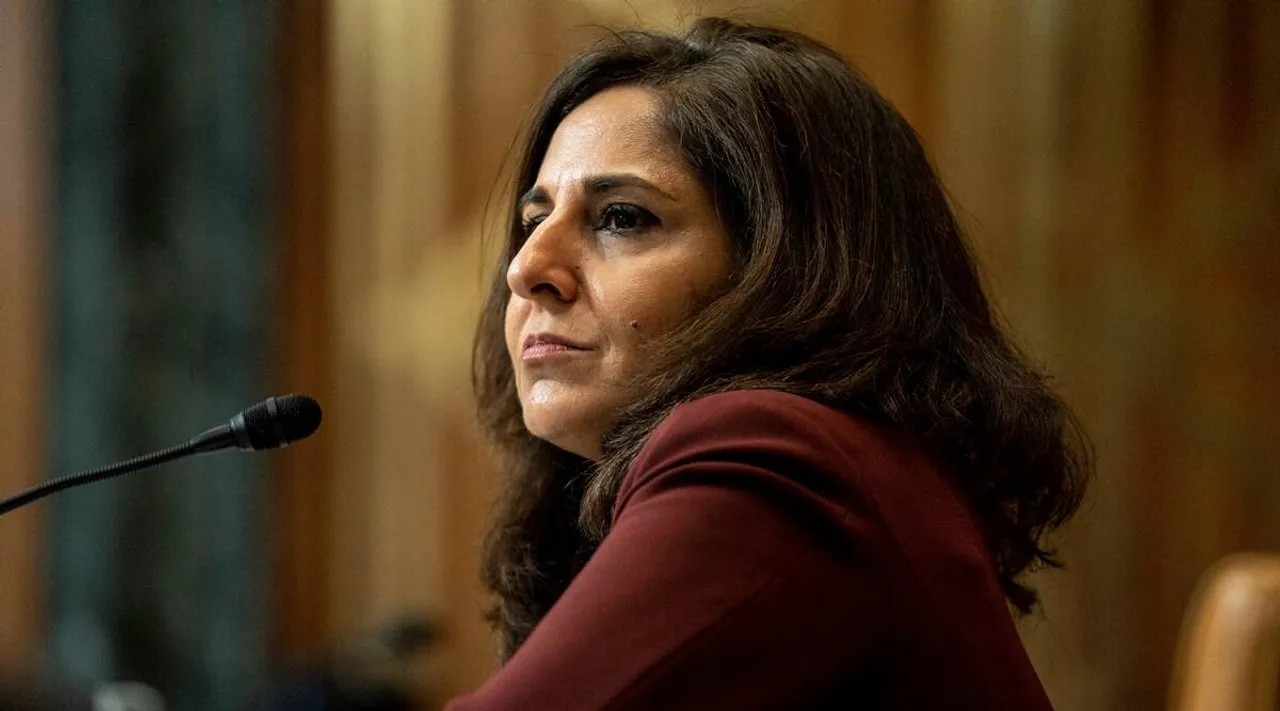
[[635, 325]]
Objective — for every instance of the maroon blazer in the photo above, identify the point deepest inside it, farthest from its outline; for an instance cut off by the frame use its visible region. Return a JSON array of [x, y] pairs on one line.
[[770, 552]]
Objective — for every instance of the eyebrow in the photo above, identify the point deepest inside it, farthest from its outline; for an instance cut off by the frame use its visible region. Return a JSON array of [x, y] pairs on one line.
[[595, 185]]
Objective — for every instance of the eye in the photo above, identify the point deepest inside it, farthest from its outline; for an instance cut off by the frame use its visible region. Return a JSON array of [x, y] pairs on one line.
[[529, 224], [622, 217]]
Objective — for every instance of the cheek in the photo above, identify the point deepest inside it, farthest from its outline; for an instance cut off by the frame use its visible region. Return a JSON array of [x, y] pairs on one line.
[[649, 305], [517, 311], [671, 290]]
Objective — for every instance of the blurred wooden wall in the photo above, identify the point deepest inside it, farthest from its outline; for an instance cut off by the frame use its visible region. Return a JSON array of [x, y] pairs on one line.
[[1118, 167], [26, 67], [302, 488]]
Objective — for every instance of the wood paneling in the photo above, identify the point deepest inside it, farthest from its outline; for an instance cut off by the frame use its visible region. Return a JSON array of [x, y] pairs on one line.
[[402, 286], [25, 70], [302, 488]]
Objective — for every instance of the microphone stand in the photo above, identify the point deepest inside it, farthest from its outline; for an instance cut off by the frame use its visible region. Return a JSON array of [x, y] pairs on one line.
[[53, 486], [272, 423]]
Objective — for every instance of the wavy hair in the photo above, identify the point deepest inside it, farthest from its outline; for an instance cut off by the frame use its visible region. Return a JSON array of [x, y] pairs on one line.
[[852, 284]]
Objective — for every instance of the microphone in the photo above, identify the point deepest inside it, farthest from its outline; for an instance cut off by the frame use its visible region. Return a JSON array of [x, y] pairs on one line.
[[272, 423]]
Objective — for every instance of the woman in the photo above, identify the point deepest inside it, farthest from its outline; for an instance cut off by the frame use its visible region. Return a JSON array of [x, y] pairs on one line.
[[767, 444]]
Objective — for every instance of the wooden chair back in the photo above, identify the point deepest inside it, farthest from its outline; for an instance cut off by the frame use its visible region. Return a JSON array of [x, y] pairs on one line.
[[1228, 655]]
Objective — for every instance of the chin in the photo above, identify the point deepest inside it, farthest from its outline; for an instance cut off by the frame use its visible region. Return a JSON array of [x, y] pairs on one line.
[[572, 431]]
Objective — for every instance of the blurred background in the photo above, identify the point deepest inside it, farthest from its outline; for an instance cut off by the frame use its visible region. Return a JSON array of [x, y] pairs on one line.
[[202, 204]]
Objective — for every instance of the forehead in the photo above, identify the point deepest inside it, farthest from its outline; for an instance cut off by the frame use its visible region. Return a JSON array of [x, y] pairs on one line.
[[615, 130]]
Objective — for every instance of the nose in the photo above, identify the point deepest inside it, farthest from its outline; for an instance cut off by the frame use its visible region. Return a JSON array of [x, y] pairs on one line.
[[543, 269]]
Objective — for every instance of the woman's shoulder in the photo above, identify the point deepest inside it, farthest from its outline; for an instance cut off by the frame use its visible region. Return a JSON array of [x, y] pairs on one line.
[[783, 426], [775, 435], [792, 448], [750, 407]]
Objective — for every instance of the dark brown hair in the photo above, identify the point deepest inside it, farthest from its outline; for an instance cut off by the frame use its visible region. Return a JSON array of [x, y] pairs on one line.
[[852, 285]]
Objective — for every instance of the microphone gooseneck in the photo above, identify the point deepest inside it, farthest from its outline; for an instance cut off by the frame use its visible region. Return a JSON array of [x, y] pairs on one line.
[[53, 486], [272, 423]]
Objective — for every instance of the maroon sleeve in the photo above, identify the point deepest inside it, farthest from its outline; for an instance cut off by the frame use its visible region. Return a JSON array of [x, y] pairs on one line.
[[731, 578]]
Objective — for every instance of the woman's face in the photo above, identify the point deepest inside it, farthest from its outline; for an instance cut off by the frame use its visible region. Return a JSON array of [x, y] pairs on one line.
[[622, 245]]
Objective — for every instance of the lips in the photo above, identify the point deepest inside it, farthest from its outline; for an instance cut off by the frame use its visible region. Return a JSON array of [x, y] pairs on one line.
[[545, 345]]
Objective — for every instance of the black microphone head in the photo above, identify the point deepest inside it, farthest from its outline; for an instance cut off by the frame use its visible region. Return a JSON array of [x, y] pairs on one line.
[[299, 416], [276, 421]]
